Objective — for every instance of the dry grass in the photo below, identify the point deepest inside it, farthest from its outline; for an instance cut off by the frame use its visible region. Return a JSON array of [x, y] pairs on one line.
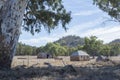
[[23, 60], [37, 70]]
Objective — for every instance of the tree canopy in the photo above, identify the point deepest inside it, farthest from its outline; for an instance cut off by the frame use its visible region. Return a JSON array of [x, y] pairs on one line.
[[33, 15], [45, 13], [112, 7], [93, 45]]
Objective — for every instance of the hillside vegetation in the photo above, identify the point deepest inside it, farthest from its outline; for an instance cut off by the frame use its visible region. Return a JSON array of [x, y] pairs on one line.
[[115, 41], [66, 45], [71, 41]]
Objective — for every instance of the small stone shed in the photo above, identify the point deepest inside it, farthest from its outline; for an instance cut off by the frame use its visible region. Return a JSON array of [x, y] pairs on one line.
[[44, 55], [79, 56]]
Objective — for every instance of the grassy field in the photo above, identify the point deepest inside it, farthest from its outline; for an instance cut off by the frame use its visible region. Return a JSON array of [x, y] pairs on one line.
[[33, 61], [31, 68]]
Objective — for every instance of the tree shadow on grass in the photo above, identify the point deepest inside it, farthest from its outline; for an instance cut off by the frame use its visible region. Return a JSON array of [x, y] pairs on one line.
[[62, 73]]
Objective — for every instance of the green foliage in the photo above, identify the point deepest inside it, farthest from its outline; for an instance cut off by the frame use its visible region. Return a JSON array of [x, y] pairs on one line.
[[96, 47], [105, 50], [115, 49], [70, 41], [115, 41], [54, 49], [23, 49], [45, 13], [112, 7], [63, 47], [92, 45]]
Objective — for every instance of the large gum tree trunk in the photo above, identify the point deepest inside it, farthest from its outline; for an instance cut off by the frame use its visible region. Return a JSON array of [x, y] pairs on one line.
[[11, 16]]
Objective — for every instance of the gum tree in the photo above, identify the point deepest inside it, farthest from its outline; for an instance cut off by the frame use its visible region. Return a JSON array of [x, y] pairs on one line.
[[111, 7], [31, 15]]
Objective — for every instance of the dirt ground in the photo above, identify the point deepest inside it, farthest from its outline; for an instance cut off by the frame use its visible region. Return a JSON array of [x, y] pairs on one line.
[[31, 68], [33, 61]]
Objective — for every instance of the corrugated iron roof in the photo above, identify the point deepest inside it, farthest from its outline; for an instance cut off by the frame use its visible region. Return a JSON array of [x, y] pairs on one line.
[[79, 53]]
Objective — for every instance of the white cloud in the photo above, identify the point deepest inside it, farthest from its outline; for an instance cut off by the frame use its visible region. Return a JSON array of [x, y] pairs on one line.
[[79, 29], [86, 13], [106, 34], [75, 30], [38, 41]]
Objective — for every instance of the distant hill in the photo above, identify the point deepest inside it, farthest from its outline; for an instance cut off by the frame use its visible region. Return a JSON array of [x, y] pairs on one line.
[[115, 41], [70, 41]]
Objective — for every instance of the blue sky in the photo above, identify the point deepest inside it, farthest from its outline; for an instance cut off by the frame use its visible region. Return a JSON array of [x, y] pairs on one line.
[[87, 20]]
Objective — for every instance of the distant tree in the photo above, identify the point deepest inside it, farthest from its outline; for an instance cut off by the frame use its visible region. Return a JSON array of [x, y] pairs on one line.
[[62, 51], [115, 49], [79, 47], [34, 50], [40, 49], [93, 46], [54, 49], [23, 49], [71, 50], [105, 50], [19, 49], [28, 50]]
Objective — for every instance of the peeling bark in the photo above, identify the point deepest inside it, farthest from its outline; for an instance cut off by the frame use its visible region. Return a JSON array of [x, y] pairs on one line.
[[11, 16]]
